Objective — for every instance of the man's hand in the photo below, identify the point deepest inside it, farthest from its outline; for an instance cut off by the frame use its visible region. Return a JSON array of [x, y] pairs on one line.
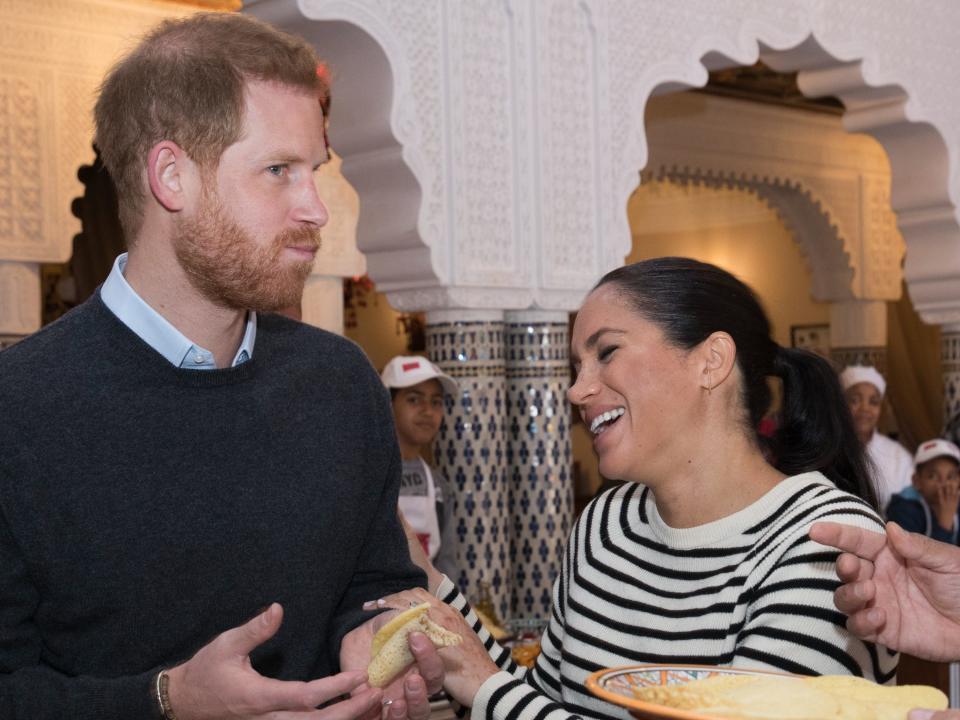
[[220, 683], [901, 591], [407, 696]]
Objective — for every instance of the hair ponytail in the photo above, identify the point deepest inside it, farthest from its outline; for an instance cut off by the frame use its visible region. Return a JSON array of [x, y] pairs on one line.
[[815, 429]]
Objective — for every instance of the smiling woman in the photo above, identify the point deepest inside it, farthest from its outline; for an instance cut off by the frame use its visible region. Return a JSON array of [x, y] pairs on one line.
[[702, 555]]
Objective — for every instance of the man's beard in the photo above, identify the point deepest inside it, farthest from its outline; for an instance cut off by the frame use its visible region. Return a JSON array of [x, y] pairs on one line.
[[223, 261]]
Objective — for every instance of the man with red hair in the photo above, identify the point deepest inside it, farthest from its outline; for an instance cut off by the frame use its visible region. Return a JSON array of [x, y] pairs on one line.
[[182, 459]]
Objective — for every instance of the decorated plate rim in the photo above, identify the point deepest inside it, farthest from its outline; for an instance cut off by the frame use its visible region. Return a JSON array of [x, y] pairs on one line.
[[595, 683]]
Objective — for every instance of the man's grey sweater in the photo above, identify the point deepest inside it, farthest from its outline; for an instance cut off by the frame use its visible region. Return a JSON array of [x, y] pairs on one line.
[[144, 509]]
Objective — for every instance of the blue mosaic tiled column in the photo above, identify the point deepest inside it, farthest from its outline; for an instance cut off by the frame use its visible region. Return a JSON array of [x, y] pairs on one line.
[[471, 447], [538, 454]]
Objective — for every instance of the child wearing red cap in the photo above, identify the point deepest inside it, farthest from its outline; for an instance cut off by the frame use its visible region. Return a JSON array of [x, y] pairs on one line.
[[417, 388], [930, 505]]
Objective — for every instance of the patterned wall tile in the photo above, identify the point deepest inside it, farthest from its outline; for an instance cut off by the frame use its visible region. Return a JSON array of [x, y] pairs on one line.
[[470, 450], [539, 458]]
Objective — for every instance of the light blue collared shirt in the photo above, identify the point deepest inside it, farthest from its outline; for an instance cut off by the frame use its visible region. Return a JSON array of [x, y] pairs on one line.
[[157, 332]]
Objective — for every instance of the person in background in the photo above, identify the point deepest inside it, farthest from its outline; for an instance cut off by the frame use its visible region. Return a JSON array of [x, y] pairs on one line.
[[702, 555], [196, 494], [930, 505], [417, 389], [864, 389], [901, 590]]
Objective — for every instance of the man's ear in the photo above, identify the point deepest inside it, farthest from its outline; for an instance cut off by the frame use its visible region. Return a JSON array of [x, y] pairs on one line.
[[719, 353], [167, 164]]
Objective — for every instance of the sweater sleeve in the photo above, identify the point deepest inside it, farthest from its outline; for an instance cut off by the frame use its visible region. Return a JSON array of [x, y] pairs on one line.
[[384, 566], [792, 609], [515, 693], [31, 689]]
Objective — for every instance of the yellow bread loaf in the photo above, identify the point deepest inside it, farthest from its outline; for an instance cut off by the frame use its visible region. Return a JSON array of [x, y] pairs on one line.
[[390, 651]]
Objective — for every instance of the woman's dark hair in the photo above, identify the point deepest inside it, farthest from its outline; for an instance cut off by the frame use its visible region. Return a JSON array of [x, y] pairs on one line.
[[688, 300]]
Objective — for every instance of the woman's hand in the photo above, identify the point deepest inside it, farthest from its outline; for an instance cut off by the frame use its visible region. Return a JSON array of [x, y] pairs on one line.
[[467, 665]]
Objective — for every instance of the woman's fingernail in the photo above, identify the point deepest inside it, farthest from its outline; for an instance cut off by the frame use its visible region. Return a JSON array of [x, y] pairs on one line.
[[920, 715], [381, 602], [369, 604], [387, 703]]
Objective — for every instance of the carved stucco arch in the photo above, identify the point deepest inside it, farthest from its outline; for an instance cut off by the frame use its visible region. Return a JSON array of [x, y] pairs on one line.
[[918, 152], [816, 232], [560, 88]]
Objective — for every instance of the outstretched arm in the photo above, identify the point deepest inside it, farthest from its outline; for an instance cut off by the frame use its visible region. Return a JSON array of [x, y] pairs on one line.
[[901, 591]]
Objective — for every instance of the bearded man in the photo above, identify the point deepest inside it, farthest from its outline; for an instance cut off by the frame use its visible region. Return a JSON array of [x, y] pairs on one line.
[[174, 458]]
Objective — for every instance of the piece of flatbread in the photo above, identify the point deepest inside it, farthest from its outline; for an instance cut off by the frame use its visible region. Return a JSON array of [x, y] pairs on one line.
[[390, 651], [831, 697]]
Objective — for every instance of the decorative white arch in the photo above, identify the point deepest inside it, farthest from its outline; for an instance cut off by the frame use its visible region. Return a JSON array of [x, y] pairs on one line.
[[494, 143], [830, 187], [521, 126], [818, 238]]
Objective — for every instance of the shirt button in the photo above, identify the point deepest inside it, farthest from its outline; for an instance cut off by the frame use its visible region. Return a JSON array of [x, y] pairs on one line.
[[198, 359]]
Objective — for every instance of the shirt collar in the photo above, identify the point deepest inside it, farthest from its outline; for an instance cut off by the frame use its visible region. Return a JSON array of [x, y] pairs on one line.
[[154, 329]]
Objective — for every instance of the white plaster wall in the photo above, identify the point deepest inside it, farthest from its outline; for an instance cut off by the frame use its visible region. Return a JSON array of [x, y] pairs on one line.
[[53, 54]]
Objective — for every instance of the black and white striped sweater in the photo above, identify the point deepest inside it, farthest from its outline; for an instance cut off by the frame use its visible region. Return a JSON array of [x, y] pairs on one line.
[[750, 590]]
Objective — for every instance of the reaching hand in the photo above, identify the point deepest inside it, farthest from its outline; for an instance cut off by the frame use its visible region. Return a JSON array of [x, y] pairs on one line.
[[407, 697], [466, 665], [901, 591], [219, 683]]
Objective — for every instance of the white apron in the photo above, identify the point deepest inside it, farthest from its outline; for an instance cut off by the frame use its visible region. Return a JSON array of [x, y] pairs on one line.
[[420, 512]]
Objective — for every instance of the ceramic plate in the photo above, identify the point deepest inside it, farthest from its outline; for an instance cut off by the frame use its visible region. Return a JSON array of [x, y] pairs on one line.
[[616, 685]]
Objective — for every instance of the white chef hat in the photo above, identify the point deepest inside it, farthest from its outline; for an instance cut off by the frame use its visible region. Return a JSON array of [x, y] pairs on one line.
[[855, 374]]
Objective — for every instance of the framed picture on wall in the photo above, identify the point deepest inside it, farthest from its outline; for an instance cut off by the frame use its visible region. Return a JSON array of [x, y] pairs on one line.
[[815, 338]]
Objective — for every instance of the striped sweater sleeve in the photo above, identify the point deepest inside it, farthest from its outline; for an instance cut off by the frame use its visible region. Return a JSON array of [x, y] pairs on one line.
[[545, 675], [515, 693]]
